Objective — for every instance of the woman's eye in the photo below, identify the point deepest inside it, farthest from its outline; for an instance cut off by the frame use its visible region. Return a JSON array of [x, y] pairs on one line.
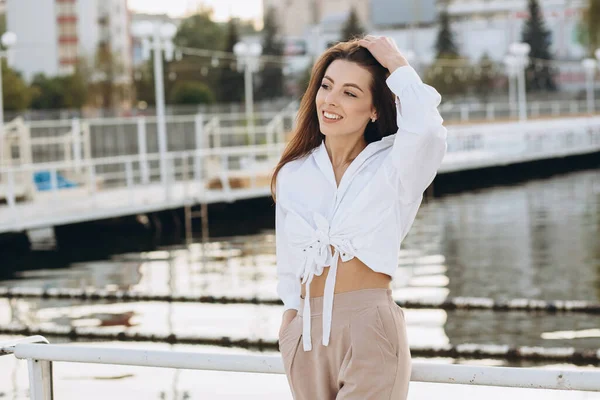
[[324, 85], [350, 94]]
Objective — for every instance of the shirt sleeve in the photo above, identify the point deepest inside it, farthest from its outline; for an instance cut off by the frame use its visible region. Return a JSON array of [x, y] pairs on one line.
[[288, 285], [420, 143]]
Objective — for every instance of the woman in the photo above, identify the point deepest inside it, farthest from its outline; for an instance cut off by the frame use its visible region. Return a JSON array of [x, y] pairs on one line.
[[368, 142]]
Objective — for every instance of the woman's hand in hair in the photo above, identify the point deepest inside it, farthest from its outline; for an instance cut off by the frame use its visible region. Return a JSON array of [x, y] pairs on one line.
[[385, 51]]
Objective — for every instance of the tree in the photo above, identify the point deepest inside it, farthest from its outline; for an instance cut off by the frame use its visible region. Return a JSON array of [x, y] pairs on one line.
[[539, 74], [449, 75], [191, 93], [445, 45], [352, 27], [76, 86], [591, 27], [59, 92], [231, 86], [107, 77], [47, 93], [271, 76], [199, 31], [449, 72], [483, 78], [15, 93]]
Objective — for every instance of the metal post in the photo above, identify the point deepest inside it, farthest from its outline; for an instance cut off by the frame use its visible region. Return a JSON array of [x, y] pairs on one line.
[[40, 380], [76, 138], [160, 105], [464, 112], [10, 195], [249, 99], [1, 118], [512, 94], [142, 150], [200, 145], [490, 112], [590, 90], [92, 179], [522, 93]]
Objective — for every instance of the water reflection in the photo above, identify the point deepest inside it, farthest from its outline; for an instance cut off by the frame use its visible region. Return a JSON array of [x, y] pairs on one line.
[[535, 240]]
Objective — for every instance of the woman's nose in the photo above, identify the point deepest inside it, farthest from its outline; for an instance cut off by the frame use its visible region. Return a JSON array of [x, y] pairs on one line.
[[331, 98]]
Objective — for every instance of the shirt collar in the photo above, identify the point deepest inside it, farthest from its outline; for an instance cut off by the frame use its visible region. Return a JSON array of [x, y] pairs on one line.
[[324, 163]]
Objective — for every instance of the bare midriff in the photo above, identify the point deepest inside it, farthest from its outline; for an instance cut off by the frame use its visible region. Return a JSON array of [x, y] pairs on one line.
[[351, 275]]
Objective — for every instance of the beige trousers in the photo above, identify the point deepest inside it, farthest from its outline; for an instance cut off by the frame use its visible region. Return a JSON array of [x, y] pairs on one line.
[[368, 357]]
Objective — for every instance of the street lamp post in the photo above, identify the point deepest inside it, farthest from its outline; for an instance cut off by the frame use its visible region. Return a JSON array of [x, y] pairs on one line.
[[9, 39], [512, 70], [248, 56], [156, 37], [521, 53], [589, 66]]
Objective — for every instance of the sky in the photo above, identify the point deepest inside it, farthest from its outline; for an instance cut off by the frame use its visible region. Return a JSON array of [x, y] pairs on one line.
[[244, 9]]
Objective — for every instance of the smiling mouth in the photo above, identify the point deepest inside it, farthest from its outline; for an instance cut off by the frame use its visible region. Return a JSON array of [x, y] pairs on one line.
[[331, 117]]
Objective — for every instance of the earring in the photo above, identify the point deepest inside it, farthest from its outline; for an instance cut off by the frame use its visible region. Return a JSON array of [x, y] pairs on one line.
[[373, 119]]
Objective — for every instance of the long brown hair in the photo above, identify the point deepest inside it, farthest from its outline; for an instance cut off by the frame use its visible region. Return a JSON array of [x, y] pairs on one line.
[[307, 135]]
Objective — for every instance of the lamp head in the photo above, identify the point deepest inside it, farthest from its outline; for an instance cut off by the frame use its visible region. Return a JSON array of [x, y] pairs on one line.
[[240, 49], [9, 39], [520, 49]]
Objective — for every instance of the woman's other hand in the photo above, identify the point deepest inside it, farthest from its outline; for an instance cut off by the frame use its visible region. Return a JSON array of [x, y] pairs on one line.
[[288, 316]]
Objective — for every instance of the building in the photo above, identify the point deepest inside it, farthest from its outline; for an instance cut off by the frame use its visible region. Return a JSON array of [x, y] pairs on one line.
[[54, 34], [296, 17], [480, 26], [489, 26]]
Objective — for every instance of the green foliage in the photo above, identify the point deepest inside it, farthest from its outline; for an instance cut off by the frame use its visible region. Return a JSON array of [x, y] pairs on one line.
[[304, 79], [47, 93], [191, 93], [445, 45], [2, 23], [231, 86], [75, 89], [590, 27], [449, 74], [352, 27], [539, 77], [200, 31], [108, 68], [483, 78], [15, 93], [59, 92], [271, 76]]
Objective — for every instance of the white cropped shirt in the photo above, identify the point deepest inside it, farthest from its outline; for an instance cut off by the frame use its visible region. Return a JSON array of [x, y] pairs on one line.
[[371, 211]]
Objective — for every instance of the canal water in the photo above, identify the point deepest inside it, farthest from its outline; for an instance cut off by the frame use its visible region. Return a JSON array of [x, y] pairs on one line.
[[535, 240]]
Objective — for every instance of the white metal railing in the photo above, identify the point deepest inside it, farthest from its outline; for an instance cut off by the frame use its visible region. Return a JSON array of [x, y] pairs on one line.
[[41, 356], [193, 176], [466, 112], [212, 172]]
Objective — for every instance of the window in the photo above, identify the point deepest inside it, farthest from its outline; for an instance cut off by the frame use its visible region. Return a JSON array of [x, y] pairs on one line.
[[67, 29]]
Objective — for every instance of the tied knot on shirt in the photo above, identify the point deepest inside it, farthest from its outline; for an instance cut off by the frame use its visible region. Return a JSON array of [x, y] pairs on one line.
[[318, 252]]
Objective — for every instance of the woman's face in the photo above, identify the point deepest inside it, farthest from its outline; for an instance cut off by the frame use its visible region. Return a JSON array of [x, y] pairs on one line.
[[344, 100]]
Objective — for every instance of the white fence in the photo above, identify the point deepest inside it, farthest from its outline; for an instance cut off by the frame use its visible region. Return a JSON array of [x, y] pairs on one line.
[[230, 163], [467, 112], [40, 355]]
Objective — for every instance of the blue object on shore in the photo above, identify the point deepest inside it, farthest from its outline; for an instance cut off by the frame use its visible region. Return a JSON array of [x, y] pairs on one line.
[[42, 181]]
